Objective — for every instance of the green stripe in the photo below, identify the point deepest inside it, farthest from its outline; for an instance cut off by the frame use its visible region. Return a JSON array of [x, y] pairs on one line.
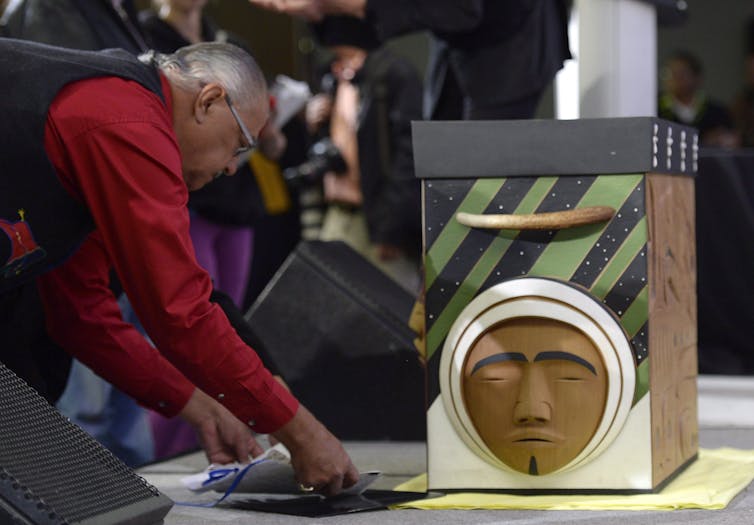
[[642, 381], [568, 248], [465, 292], [535, 195], [633, 319], [476, 201], [636, 314], [618, 263], [482, 268]]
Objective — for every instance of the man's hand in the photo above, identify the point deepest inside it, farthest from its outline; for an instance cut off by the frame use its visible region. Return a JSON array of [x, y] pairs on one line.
[[314, 10], [224, 438], [318, 458]]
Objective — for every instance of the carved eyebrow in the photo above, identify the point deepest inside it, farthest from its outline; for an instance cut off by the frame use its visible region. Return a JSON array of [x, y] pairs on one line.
[[565, 356], [497, 358]]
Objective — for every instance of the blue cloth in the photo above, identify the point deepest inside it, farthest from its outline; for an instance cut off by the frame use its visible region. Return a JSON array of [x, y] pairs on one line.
[[108, 415]]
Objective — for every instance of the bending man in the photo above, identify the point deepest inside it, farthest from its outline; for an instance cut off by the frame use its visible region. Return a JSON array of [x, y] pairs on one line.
[[110, 145]]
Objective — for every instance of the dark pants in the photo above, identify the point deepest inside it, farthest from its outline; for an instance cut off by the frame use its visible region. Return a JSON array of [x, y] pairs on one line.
[[25, 347]]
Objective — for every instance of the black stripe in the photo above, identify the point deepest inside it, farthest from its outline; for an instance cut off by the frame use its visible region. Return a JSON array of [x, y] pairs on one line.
[[623, 294], [629, 284], [441, 201], [619, 228], [433, 375], [529, 245], [640, 343], [473, 245]]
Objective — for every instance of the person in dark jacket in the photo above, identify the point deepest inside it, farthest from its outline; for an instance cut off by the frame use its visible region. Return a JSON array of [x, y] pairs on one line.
[[489, 59], [77, 24], [375, 204]]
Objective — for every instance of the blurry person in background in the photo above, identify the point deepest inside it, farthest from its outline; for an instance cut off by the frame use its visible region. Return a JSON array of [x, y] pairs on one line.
[[77, 24], [743, 106], [374, 204], [683, 100], [489, 59]]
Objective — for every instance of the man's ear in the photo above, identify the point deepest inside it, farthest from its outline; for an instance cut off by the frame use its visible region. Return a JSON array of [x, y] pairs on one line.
[[210, 94]]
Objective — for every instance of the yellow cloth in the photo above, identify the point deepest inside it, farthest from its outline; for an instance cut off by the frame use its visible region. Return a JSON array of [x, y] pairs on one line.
[[711, 482], [275, 195]]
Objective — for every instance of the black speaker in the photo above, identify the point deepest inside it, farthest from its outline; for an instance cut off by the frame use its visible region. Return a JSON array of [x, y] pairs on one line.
[[54, 473], [336, 328]]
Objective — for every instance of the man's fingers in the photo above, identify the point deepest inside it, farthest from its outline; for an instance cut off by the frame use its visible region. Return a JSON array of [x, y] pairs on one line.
[[337, 482], [242, 449], [255, 449], [351, 477], [334, 487]]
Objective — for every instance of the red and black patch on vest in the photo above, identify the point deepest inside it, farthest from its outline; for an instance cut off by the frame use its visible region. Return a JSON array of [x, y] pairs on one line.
[[21, 250]]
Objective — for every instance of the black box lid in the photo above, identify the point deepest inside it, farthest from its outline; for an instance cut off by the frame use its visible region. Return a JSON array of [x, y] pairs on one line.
[[462, 149]]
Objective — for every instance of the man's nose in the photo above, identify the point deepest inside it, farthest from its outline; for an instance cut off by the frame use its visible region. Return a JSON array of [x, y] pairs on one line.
[[534, 403]]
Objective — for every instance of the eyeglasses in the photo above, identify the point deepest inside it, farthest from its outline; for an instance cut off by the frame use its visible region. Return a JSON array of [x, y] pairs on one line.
[[251, 143]]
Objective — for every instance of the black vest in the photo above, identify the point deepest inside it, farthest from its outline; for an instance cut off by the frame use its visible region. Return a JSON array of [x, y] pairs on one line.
[[40, 223]]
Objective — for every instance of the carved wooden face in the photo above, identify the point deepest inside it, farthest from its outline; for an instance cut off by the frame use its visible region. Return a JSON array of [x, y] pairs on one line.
[[535, 390]]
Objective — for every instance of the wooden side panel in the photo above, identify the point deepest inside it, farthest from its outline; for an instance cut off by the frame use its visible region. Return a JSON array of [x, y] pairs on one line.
[[672, 322]]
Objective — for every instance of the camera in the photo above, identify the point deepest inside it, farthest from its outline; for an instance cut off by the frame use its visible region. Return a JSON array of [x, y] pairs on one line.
[[323, 156]]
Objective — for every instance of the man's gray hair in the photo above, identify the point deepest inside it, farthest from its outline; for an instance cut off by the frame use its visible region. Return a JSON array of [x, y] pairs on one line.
[[195, 66]]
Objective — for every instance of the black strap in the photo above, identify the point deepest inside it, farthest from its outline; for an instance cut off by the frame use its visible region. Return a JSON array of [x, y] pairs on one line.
[[129, 23], [114, 27]]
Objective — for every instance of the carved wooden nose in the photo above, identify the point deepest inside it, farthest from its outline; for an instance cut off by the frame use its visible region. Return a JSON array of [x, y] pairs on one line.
[[532, 411], [533, 404]]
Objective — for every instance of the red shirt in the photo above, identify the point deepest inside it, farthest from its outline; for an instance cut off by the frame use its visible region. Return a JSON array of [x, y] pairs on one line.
[[112, 144]]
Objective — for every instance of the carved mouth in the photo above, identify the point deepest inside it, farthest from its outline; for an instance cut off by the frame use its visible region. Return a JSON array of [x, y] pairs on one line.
[[534, 437], [534, 443]]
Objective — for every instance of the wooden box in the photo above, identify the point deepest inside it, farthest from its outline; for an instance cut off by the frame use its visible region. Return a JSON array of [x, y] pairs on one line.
[[561, 348]]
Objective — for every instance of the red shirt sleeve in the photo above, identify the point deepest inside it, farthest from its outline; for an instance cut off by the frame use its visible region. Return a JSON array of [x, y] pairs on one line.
[[112, 144], [87, 321]]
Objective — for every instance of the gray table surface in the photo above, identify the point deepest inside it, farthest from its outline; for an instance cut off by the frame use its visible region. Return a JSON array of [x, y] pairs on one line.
[[726, 416]]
